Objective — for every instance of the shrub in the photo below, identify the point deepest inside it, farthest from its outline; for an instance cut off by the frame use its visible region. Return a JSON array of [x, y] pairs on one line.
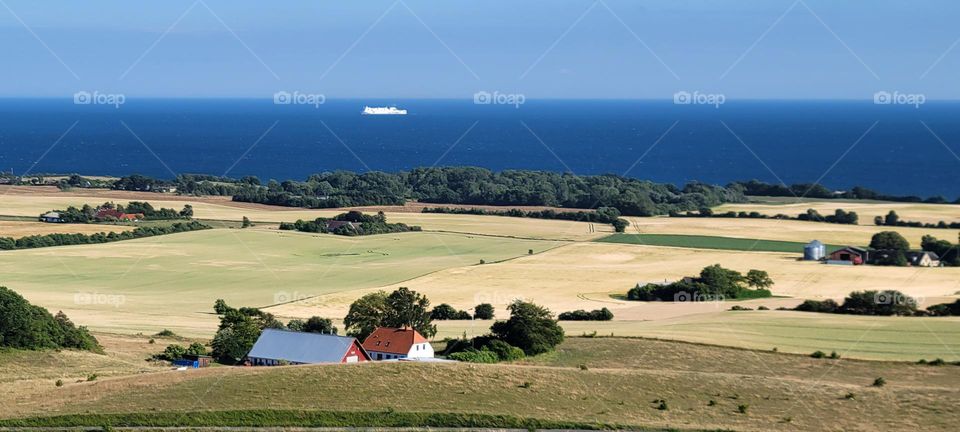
[[526, 384], [742, 408], [879, 382], [603, 314], [834, 355], [740, 308], [711, 402], [825, 306], [663, 405], [503, 350], [818, 354], [583, 367], [92, 377], [59, 383], [937, 362], [475, 356], [763, 308], [850, 396], [165, 333]]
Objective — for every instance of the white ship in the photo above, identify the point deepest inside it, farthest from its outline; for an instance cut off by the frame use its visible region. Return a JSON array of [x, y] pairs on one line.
[[383, 111]]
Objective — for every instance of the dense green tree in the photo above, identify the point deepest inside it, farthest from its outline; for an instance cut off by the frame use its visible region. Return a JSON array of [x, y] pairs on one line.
[[531, 328], [25, 326], [889, 240], [892, 219], [366, 314], [317, 324], [483, 311], [759, 279], [407, 308]]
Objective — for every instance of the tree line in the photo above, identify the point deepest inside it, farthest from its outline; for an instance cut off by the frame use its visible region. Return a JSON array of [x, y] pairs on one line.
[[479, 186], [107, 212], [606, 215], [814, 190], [839, 216], [893, 219], [59, 239], [882, 303]]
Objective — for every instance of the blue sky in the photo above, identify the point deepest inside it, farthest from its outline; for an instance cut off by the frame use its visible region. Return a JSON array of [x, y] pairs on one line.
[[451, 49]]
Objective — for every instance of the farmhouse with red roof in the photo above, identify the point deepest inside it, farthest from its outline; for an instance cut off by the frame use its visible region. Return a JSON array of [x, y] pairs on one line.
[[387, 343]]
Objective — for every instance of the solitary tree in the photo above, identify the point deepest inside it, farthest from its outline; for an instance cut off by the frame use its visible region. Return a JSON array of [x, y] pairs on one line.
[[409, 308], [531, 328], [889, 240], [366, 314], [483, 311], [759, 279]]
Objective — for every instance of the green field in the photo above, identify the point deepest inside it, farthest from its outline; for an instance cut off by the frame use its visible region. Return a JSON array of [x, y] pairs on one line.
[[709, 242], [172, 281]]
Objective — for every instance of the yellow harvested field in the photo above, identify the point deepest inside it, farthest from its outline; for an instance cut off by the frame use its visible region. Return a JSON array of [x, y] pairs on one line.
[[221, 208], [785, 230], [17, 229], [585, 275], [867, 210]]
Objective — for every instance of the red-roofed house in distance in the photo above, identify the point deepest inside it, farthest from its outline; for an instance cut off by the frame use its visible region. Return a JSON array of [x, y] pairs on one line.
[[387, 343]]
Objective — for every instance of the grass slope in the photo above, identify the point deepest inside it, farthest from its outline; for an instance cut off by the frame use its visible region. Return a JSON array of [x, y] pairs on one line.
[[616, 385], [709, 242]]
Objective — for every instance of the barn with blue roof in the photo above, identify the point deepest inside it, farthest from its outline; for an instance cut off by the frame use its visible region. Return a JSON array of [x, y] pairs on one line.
[[281, 347]]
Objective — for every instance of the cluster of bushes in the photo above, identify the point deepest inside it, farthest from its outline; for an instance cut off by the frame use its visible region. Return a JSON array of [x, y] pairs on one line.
[[482, 349], [813, 190], [478, 186], [368, 225], [607, 215], [58, 239], [25, 326], [603, 314], [444, 312], [839, 216], [883, 303], [88, 214], [531, 330], [175, 352], [893, 219], [240, 327], [714, 283]]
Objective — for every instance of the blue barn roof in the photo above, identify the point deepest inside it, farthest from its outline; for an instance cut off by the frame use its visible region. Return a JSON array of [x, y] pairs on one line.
[[298, 347]]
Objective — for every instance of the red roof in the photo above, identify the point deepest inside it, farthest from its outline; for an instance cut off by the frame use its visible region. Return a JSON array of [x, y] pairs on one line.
[[393, 340]]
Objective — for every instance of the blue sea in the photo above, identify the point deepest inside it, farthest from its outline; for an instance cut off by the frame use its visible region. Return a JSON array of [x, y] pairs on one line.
[[895, 149]]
